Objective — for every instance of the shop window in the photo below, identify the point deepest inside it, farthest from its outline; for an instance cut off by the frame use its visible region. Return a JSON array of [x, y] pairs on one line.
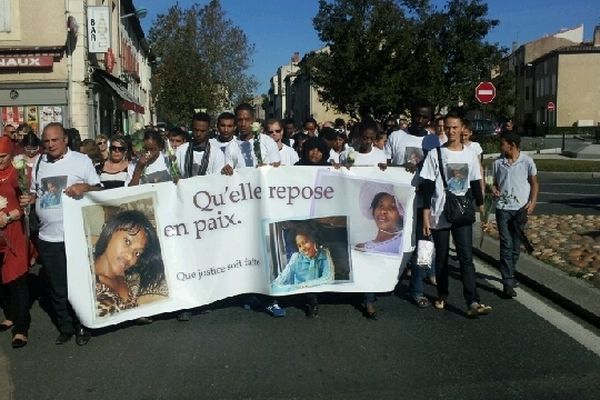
[[5, 15]]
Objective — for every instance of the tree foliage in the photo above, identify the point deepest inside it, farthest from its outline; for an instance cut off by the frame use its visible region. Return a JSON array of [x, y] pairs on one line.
[[203, 64], [382, 55]]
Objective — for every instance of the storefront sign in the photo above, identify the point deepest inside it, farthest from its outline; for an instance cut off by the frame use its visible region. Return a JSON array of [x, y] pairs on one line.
[[98, 25], [26, 62]]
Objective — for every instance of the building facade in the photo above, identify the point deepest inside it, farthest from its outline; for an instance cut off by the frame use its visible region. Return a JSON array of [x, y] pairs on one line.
[[569, 78], [520, 63], [89, 68]]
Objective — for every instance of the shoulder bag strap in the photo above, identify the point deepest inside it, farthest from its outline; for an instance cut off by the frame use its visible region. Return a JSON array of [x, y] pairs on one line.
[[439, 154]]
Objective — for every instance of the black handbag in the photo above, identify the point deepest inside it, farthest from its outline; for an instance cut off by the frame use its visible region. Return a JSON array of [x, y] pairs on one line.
[[459, 210]]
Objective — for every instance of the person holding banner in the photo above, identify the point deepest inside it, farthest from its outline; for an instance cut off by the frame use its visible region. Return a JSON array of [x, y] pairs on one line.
[[13, 250], [152, 166], [127, 263], [452, 155], [74, 172]]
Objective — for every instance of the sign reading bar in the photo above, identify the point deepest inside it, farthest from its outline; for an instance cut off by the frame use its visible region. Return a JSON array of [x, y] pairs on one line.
[[98, 29], [26, 62]]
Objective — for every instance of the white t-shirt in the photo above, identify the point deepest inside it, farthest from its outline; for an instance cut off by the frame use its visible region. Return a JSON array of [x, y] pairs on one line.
[[460, 168], [50, 181], [372, 158], [231, 152], [475, 147], [403, 148], [268, 150], [288, 155], [334, 156], [156, 172], [216, 159]]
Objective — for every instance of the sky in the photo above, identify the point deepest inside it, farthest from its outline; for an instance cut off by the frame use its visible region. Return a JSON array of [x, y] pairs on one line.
[[278, 28]]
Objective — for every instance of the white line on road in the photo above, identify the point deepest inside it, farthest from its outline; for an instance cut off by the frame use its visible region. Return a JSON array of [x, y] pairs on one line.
[[571, 194], [571, 327], [569, 184]]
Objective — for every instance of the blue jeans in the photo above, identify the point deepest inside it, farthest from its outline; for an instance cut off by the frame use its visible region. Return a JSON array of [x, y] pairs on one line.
[[510, 244], [463, 239]]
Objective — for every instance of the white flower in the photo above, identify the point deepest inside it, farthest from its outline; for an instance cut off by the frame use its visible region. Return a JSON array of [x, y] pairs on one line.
[[138, 126], [351, 157], [19, 163], [3, 202], [256, 127]]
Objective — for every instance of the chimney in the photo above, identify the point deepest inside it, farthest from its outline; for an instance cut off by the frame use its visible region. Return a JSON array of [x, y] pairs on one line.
[[296, 58]]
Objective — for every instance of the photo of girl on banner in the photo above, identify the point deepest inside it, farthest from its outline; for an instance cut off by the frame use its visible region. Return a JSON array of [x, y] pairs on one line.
[[127, 265], [378, 203], [308, 253]]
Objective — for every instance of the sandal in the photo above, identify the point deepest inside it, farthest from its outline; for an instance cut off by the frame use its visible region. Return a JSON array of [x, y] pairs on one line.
[[477, 309], [4, 326], [422, 302], [19, 340], [440, 304]]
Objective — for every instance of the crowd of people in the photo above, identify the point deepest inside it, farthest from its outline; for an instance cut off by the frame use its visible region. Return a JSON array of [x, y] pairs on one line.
[[437, 149]]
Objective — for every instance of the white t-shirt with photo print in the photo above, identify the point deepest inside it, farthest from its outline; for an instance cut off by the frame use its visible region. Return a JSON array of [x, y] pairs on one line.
[[49, 181], [460, 168], [403, 148]]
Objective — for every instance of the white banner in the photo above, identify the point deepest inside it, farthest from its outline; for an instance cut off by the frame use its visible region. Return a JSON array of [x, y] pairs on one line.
[[157, 248], [98, 29]]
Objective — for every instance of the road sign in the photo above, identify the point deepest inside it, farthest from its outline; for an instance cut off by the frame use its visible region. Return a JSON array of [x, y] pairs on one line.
[[485, 92], [551, 106]]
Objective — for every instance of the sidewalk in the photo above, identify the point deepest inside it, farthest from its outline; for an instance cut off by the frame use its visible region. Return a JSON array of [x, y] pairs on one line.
[[575, 295]]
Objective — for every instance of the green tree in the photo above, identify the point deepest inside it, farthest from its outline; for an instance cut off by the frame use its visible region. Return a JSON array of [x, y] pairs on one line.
[[382, 55], [203, 61]]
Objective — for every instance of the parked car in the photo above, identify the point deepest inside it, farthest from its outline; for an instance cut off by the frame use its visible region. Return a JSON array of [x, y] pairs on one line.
[[484, 127]]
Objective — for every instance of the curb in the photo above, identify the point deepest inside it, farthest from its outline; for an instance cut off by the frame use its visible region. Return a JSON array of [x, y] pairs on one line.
[[575, 295], [569, 175]]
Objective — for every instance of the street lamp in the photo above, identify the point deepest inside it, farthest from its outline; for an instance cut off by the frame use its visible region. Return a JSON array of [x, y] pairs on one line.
[[140, 13]]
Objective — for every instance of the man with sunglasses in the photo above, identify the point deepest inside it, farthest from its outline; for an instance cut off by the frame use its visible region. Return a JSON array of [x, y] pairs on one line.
[[288, 155]]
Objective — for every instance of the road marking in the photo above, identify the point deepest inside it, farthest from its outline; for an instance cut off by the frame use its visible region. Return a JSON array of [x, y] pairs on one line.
[[6, 385], [569, 184], [553, 315], [571, 194]]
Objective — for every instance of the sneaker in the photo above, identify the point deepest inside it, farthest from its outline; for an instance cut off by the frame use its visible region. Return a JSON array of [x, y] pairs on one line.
[[275, 310], [509, 292], [477, 309]]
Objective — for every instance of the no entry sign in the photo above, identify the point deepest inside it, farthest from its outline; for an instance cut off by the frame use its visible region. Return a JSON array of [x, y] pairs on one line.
[[485, 92], [551, 106]]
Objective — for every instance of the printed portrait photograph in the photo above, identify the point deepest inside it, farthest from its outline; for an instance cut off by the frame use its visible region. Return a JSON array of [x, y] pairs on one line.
[[51, 190], [308, 253], [413, 155], [125, 256], [379, 222], [457, 176], [382, 210]]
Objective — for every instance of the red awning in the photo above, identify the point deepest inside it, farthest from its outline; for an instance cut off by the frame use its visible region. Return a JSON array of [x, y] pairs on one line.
[[131, 106]]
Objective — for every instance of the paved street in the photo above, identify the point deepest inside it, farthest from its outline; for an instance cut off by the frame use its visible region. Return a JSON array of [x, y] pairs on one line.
[[559, 195], [412, 353]]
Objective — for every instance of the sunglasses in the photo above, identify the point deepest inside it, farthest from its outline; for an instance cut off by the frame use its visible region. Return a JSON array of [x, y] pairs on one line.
[[101, 142], [118, 149], [275, 131]]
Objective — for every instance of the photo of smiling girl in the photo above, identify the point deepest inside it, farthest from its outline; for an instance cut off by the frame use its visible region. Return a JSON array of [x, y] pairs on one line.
[[128, 265]]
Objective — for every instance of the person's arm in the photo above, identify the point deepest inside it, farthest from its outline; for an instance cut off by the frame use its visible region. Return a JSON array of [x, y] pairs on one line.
[[77, 190], [427, 188], [533, 194]]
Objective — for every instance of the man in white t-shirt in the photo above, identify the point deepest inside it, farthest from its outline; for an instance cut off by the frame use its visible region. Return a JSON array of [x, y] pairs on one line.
[[367, 154], [59, 170], [201, 156], [275, 130], [263, 153]]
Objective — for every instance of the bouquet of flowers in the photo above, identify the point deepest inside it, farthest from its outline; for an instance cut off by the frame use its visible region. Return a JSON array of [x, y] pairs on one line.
[[256, 133], [488, 202]]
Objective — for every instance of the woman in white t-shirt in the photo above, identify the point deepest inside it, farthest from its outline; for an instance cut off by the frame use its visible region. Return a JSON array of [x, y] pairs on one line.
[[462, 166], [367, 154], [152, 166]]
